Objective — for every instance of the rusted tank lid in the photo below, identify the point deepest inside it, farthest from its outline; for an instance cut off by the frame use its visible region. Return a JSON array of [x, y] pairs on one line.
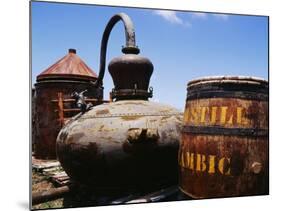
[[70, 66], [229, 80], [228, 86]]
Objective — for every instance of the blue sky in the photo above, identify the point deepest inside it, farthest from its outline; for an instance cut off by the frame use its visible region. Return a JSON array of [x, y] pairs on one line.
[[181, 45]]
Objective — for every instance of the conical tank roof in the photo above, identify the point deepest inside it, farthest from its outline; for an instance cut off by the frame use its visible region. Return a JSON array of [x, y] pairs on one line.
[[70, 66]]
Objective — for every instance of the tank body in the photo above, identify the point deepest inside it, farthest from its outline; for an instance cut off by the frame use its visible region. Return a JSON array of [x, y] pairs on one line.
[[122, 145], [67, 75]]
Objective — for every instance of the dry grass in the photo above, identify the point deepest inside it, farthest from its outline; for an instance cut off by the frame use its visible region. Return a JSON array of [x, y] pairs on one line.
[[40, 183]]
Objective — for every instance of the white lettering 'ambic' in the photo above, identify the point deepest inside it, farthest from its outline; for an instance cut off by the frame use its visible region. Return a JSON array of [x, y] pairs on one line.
[[210, 164]]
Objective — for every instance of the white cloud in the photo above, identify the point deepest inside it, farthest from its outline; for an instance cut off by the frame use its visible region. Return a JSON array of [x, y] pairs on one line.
[[221, 16], [187, 24], [172, 17], [199, 15]]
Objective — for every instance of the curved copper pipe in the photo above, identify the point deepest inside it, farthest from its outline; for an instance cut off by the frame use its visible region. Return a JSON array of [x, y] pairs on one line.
[[130, 41]]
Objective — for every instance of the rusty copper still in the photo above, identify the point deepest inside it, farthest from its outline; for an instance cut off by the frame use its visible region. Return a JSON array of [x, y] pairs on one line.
[[130, 142]]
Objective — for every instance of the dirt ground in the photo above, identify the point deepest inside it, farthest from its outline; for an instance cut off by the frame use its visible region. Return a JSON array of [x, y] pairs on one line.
[[41, 182]]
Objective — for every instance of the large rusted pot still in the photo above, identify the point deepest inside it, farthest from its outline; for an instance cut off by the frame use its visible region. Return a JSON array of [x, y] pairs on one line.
[[128, 143], [224, 146]]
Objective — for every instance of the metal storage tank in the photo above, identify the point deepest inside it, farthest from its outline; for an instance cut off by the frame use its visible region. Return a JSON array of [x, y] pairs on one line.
[[53, 102]]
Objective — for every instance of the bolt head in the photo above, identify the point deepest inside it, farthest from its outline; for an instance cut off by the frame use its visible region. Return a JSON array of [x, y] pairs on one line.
[[256, 167]]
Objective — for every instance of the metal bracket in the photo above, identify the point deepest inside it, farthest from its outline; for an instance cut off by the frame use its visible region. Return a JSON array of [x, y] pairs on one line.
[[80, 101]]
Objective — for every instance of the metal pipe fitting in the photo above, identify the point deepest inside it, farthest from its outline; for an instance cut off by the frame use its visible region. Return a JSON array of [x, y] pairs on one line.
[[130, 47]]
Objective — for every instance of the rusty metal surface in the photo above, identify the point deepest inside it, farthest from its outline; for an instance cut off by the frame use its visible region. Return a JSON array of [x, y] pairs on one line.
[[129, 143], [228, 79], [139, 69], [228, 87], [70, 66], [80, 101], [224, 146], [130, 46], [130, 66], [33, 119], [121, 145], [67, 75], [46, 118]]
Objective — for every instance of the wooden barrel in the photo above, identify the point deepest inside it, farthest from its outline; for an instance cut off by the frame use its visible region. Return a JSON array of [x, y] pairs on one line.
[[224, 146]]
